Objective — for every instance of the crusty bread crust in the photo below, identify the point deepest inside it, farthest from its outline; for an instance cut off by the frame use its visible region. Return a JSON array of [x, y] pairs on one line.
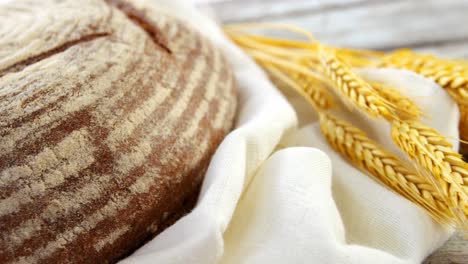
[[109, 116]]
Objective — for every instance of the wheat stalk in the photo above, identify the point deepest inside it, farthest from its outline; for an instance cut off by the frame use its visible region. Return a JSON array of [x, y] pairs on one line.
[[353, 87], [314, 92], [451, 75], [405, 107], [354, 144], [433, 152]]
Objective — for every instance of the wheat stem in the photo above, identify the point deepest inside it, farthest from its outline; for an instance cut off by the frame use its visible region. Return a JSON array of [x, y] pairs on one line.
[[312, 91], [262, 58]]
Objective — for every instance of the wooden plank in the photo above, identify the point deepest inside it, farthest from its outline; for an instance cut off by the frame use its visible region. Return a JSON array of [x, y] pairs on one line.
[[253, 10], [455, 251], [448, 50], [380, 25]]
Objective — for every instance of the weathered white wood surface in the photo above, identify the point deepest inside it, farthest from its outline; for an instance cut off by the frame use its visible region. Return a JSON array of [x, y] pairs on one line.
[[430, 25], [433, 26]]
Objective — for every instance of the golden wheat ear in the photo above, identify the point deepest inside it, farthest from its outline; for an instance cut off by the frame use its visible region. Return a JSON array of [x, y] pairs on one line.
[[449, 74], [388, 169], [353, 88], [405, 107], [432, 152]]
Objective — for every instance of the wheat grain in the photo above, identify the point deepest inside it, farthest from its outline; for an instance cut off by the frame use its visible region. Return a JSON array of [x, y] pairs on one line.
[[433, 152], [354, 88], [317, 91], [451, 75], [354, 144], [405, 107]]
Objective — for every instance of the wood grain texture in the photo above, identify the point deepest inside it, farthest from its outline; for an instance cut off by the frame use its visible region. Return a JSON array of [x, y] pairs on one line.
[[380, 24], [245, 10], [427, 26], [109, 115]]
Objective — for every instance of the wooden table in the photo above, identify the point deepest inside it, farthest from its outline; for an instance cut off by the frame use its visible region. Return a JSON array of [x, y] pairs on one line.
[[435, 26]]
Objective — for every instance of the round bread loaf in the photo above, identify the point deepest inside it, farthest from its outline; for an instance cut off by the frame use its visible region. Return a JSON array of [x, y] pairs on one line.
[[109, 116]]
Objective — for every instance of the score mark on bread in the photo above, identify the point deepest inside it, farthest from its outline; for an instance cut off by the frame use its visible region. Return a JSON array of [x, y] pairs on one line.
[[139, 18]]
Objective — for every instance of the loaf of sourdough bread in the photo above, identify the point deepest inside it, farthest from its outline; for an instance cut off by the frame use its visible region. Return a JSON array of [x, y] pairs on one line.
[[109, 116]]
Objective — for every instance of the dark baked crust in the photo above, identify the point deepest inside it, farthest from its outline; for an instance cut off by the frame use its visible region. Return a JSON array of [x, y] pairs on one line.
[[107, 125]]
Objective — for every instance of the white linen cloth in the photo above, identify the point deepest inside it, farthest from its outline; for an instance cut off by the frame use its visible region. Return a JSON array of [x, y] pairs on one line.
[[304, 203]]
